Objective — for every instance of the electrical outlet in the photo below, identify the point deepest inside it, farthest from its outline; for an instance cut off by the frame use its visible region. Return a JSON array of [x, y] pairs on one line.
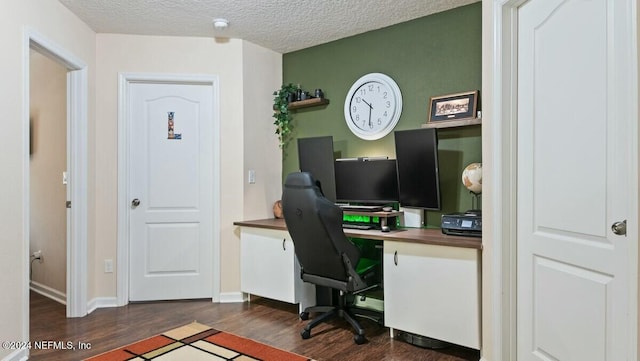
[[108, 266], [37, 255]]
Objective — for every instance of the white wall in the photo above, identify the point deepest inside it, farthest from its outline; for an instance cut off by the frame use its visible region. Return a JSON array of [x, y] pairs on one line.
[[262, 75], [48, 214], [256, 73], [50, 18]]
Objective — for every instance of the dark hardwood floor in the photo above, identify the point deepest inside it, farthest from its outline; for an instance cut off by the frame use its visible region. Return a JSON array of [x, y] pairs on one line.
[[263, 320]]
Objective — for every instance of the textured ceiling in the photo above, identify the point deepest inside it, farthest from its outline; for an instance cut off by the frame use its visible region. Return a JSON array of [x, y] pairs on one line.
[[280, 25]]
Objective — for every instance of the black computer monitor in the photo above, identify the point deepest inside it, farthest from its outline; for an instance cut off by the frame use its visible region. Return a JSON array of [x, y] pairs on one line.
[[315, 155], [418, 176], [372, 182]]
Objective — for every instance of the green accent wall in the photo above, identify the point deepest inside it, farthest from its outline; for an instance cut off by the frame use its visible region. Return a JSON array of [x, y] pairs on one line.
[[431, 56]]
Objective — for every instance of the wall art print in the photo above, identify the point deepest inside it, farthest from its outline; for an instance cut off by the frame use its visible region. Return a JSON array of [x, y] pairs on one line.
[[171, 124]]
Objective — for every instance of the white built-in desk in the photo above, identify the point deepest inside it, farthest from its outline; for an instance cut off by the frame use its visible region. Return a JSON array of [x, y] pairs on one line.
[[431, 280]]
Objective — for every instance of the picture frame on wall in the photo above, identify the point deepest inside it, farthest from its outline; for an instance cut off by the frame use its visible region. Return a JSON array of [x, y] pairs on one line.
[[453, 110]]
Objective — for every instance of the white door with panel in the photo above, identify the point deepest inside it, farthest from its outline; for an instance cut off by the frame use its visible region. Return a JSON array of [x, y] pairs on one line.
[[576, 167], [171, 186]]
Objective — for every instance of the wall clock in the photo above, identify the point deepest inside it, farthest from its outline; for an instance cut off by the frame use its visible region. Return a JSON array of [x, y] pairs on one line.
[[373, 105]]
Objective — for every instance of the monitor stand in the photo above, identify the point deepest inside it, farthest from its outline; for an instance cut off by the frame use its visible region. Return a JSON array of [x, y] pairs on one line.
[[413, 217]]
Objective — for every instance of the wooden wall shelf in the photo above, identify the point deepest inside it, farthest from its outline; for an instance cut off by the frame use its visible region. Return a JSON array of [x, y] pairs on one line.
[[313, 102], [453, 123]]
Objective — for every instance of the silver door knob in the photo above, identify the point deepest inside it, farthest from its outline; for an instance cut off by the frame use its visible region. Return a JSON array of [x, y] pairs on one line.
[[135, 202], [620, 228]]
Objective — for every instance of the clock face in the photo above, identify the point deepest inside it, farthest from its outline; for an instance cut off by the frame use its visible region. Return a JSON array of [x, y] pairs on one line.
[[373, 105]]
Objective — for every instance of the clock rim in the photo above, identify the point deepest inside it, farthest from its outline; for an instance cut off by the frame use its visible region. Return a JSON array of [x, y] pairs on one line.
[[395, 90]]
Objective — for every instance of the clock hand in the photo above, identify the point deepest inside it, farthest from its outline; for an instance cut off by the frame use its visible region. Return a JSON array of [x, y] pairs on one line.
[[370, 109]]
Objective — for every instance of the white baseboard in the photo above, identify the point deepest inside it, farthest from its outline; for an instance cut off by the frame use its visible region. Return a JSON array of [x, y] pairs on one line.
[[17, 355], [102, 302], [48, 292], [232, 297]]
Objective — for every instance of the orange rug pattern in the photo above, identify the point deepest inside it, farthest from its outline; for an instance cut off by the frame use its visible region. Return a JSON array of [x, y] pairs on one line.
[[197, 342]]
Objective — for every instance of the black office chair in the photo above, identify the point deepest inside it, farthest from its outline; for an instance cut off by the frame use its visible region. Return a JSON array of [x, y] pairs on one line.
[[327, 257]]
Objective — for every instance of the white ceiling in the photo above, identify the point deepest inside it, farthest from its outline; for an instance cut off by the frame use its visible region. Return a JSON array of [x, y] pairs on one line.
[[281, 25]]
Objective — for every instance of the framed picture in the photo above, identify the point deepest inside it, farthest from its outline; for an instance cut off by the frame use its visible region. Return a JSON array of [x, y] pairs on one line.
[[453, 108]]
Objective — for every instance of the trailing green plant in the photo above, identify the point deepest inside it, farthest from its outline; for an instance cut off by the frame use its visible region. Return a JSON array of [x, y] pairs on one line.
[[282, 114]]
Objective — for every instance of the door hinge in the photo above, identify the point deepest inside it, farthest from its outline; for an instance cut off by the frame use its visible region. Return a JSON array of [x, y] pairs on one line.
[[68, 204]]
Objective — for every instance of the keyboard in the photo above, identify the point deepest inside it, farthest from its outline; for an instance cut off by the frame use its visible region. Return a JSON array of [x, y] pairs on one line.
[[356, 226], [348, 207]]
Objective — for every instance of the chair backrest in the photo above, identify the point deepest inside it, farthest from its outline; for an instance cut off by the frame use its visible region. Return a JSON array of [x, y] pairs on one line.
[[315, 225]]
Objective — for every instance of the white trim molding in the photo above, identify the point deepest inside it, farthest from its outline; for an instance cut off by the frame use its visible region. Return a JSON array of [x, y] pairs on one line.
[[77, 119], [48, 292], [124, 82], [102, 302], [17, 355], [232, 297], [499, 135]]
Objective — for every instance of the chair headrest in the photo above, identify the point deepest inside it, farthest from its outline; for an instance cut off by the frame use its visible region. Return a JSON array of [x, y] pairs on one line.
[[299, 180]]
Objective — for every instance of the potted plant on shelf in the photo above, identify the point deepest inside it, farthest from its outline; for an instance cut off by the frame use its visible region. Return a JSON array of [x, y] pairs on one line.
[[283, 117]]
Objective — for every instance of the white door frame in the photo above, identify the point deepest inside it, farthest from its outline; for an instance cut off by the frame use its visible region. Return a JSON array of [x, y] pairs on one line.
[[502, 134], [77, 100], [124, 197]]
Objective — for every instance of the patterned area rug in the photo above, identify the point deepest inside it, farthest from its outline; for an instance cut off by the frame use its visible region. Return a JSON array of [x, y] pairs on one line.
[[197, 342]]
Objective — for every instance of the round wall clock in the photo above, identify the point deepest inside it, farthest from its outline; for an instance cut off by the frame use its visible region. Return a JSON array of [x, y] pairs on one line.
[[373, 105]]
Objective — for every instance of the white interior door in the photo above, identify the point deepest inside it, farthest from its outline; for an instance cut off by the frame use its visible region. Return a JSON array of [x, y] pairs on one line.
[[575, 179], [171, 186]]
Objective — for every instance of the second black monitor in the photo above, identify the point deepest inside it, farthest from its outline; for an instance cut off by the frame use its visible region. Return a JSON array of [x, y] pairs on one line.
[[315, 155], [418, 175]]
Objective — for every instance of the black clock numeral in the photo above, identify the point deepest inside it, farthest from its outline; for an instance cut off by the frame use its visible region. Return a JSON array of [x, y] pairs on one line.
[[385, 113], [363, 91], [354, 109], [384, 95], [379, 121], [388, 104], [371, 87]]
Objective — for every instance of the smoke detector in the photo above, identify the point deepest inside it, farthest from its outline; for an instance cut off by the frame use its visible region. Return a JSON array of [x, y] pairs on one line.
[[220, 23]]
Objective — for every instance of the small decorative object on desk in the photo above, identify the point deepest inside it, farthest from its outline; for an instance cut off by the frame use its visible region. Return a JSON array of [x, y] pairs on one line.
[[277, 209], [472, 180]]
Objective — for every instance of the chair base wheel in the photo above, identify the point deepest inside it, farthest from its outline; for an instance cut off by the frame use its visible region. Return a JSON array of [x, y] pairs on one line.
[[359, 339], [304, 316], [305, 334]]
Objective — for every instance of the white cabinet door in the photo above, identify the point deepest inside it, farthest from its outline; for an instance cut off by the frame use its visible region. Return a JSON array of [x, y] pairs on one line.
[[433, 291], [269, 267]]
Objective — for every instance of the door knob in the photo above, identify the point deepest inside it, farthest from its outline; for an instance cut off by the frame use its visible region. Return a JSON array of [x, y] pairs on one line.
[[620, 228], [135, 202]]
